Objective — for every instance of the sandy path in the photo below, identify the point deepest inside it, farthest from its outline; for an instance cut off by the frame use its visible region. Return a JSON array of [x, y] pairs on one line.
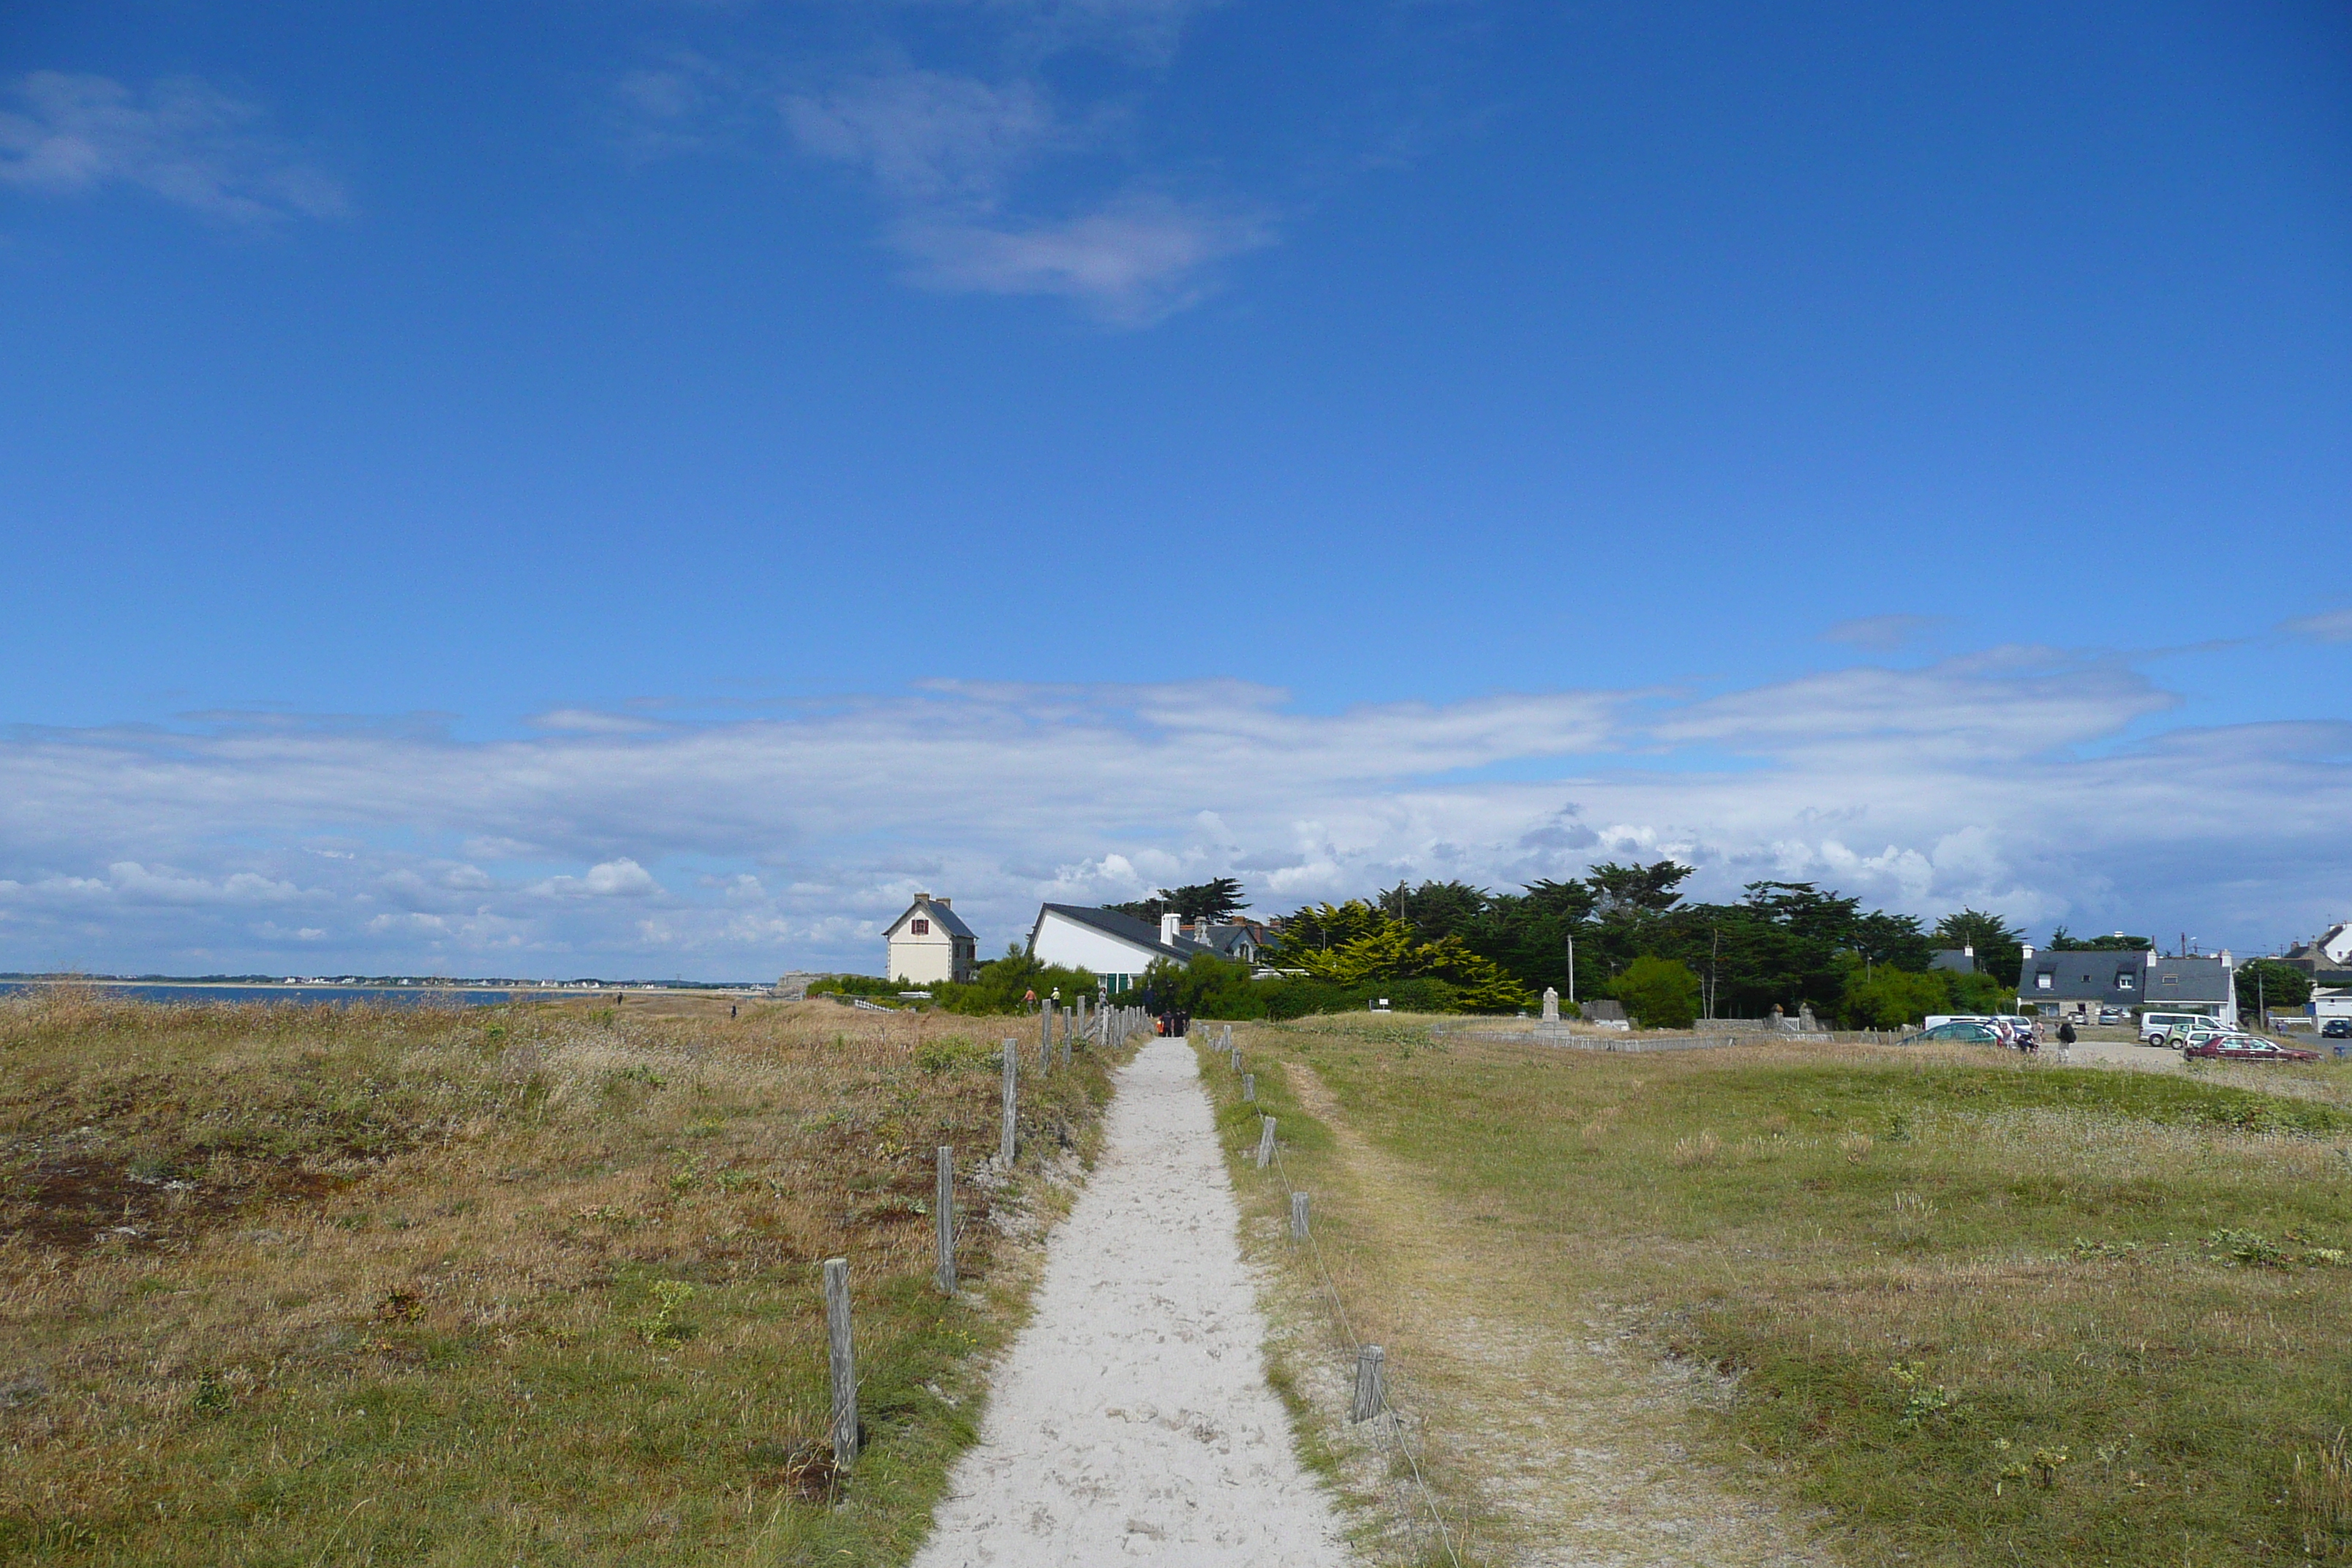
[[1132, 1419]]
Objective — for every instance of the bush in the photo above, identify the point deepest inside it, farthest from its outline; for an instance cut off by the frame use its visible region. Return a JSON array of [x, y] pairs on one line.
[[1004, 986], [1883, 997], [1660, 993]]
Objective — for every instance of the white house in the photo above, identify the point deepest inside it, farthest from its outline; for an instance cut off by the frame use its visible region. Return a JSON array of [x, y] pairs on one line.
[[928, 944], [1118, 948]]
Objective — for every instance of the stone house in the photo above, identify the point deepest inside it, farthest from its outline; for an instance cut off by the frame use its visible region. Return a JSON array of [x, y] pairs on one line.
[[928, 944]]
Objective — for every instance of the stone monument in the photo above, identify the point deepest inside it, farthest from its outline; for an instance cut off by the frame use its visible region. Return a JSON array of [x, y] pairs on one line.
[[1551, 1006]]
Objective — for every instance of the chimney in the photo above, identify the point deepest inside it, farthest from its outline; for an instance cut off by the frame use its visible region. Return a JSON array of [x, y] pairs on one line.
[[2151, 958], [923, 898], [943, 903], [2028, 953], [2227, 962], [1172, 925], [1968, 950]]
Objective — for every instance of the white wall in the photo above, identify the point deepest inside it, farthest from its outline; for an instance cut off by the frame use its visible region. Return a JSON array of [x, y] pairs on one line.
[[924, 960], [1066, 942]]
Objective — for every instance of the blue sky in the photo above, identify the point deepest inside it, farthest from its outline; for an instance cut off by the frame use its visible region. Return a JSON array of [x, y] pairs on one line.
[[644, 487]]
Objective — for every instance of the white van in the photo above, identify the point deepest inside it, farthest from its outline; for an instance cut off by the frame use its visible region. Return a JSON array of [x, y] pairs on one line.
[[2154, 1028]]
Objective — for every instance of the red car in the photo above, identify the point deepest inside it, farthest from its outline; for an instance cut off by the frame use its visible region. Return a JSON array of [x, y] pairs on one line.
[[2248, 1048]]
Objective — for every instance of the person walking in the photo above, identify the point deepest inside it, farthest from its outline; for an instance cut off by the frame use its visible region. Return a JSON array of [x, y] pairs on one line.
[[2065, 1041]]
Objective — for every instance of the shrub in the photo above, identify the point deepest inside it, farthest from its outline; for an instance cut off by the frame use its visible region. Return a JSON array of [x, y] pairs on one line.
[[1662, 992]]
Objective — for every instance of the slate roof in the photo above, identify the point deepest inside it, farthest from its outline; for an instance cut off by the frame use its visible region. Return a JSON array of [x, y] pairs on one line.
[[1958, 959], [1222, 940], [1126, 928], [938, 912], [2093, 974]]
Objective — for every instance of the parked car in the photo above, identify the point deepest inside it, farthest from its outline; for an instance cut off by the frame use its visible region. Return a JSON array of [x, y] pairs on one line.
[[2336, 1029], [2238, 1047], [2114, 1016], [2157, 1028], [1962, 1030]]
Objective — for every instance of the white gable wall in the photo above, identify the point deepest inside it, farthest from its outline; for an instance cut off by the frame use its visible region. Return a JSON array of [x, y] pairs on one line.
[[924, 960], [1066, 942]]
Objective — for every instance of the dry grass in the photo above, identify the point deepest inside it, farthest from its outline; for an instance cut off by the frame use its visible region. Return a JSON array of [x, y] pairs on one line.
[[1963, 1308], [524, 1285]]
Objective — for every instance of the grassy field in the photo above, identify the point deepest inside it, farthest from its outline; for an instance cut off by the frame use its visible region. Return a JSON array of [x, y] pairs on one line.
[[1921, 1308], [528, 1285]]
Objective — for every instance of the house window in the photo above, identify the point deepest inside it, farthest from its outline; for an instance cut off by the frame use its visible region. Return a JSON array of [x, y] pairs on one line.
[[2042, 980], [920, 928], [2124, 978]]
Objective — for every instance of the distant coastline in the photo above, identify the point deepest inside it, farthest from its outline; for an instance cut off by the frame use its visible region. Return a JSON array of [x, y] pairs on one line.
[[321, 992]]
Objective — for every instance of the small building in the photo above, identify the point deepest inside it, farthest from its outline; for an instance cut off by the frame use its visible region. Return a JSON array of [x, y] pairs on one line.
[[2326, 958], [929, 945], [1244, 941], [1115, 947], [1958, 960], [2078, 981]]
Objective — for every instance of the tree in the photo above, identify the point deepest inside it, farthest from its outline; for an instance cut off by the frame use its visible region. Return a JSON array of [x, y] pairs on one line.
[[1435, 910], [1216, 900], [1631, 891], [1374, 948], [1879, 996], [2064, 941], [1661, 993], [2267, 982], [2001, 951]]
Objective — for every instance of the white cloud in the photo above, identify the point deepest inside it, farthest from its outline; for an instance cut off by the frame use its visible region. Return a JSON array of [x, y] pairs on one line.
[[621, 879], [2329, 625], [1131, 264], [926, 136], [2006, 782], [1001, 173], [1882, 631], [182, 139]]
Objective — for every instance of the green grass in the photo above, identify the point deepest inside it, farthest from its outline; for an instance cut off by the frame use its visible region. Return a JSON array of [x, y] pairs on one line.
[[287, 1286], [1923, 1272]]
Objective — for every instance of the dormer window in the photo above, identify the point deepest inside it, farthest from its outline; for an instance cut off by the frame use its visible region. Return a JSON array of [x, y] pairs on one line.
[[920, 927], [2124, 980], [2043, 980]]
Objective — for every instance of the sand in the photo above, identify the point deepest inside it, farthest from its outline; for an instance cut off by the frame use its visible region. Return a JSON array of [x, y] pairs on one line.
[[1132, 1420]]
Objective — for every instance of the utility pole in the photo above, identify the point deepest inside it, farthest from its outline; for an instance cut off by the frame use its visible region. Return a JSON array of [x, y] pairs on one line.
[[1571, 969], [1714, 967]]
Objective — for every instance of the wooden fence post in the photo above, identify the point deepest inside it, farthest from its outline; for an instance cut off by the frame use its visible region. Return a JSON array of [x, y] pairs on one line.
[[1264, 1141], [1249, 1089], [844, 1360], [1298, 1217], [1012, 1102], [1046, 1036], [1369, 1394], [943, 1212]]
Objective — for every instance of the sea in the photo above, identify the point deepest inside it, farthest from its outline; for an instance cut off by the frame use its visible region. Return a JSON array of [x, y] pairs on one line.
[[302, 995]]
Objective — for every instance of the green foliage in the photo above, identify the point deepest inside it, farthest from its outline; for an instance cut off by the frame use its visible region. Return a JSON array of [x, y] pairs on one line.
[[1435, 910], [1636, 891], [1216, 900], [2267, 982], [1977, 994], [869, 985], [1005, 986], [1880, 996], [2001, 951], [1384, 950], [1659, 993], [2064, 941]]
